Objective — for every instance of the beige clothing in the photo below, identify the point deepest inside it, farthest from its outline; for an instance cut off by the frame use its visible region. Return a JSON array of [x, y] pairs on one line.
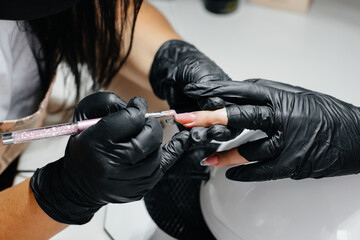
[[9, 152]]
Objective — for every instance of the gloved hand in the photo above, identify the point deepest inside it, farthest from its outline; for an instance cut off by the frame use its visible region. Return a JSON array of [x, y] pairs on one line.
[[178, 63], [117, 160], [310, 134], [174, 203]]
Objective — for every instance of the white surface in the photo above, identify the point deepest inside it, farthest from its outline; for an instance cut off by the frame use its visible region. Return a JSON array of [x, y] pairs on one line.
[[319, 50], [41, 152], [325, 209], [129, 221]]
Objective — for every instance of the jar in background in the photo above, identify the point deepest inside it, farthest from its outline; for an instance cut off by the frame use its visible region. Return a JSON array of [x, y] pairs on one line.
[[221, 6]]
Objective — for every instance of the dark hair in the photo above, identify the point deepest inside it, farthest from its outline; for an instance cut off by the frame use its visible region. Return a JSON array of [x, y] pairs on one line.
[[90, 33]]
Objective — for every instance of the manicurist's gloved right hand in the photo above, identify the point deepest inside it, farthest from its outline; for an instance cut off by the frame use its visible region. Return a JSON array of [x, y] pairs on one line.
[[117, 160], [309, 134]]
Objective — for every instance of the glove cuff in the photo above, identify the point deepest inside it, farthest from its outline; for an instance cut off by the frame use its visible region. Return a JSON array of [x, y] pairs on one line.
[[164, 66], [58, 197]]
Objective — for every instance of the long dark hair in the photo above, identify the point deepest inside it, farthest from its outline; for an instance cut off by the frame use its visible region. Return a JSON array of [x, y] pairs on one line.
[[91, 33]]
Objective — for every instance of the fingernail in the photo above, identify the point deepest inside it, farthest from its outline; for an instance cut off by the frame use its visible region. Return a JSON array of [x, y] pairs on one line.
[[185, 118], [204, 163], [212, 160]]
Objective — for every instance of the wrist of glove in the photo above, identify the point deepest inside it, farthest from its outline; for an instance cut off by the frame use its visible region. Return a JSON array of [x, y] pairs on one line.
[[176, 64], [50, 187], [117, 160]]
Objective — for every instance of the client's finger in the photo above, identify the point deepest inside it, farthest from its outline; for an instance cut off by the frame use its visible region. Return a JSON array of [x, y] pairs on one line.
[[226, 158], [203, 118]]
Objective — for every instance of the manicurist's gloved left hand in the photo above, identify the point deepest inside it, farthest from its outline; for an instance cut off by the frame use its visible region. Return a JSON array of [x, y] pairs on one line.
[[117, 160], [178, 63], [309, 134]]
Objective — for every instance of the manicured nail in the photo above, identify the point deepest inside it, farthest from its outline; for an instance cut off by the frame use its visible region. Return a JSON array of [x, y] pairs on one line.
[[185, 118], [212, 160], [204, 163]]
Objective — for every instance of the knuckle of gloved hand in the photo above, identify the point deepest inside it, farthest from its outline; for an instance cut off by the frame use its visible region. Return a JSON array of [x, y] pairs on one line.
[[148, 140], [139, 103], [183, 136], [155, 129], [135, 116], [114, 101], [219, 133], [175, 147]]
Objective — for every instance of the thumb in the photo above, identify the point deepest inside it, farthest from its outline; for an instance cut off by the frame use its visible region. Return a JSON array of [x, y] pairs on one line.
[[173, 150], [254, 172], [139, 103]]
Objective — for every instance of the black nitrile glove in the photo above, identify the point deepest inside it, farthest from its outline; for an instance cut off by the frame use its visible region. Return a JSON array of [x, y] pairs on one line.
[[310, 134], [178, 63], [117, 160], [217, 132], [174, 203]]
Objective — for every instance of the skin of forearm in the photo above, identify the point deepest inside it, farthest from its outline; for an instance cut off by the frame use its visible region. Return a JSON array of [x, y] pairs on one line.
[[151, 31], [22, 218]]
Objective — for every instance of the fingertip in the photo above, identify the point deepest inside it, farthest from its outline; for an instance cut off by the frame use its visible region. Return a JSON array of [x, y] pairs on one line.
[[139, 103], [136, 115], [213, 160], [199, 134], [219, 133], [157, 130], [182, 136]]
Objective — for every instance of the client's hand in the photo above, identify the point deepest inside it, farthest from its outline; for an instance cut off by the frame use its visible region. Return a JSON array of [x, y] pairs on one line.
[[310, 134], [207, 126], [117, 160]]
